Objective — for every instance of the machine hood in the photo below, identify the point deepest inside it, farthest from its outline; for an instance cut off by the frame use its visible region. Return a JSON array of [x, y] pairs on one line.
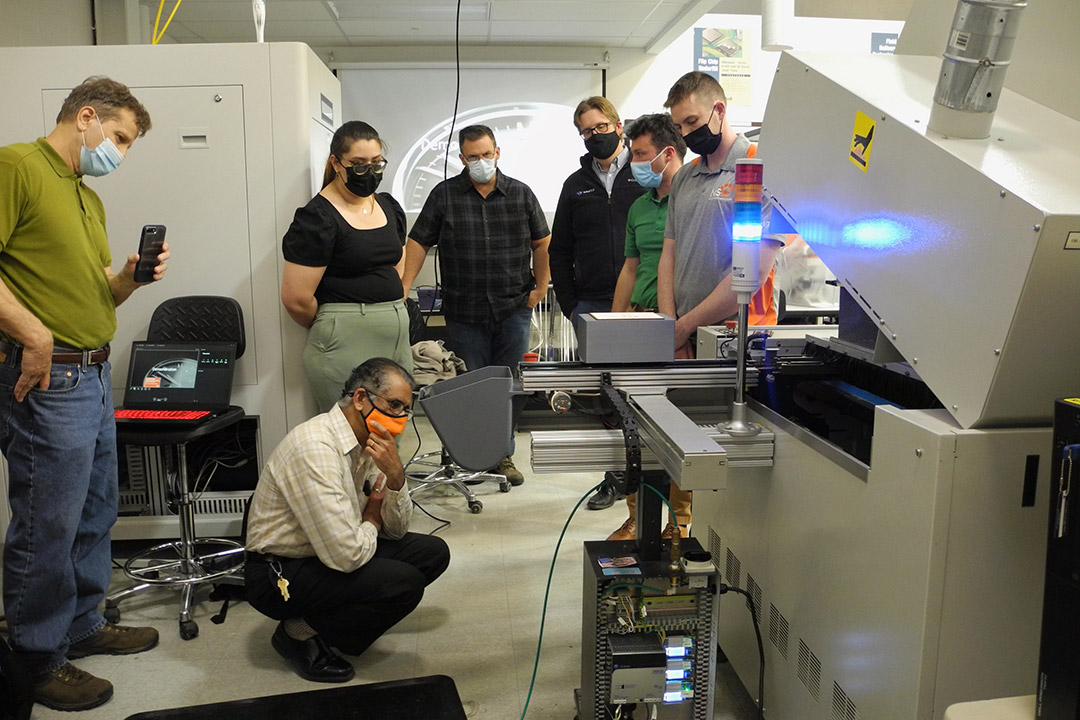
[[965, 253]]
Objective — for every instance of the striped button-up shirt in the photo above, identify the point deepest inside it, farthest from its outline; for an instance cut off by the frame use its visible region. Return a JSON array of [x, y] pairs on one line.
[[310, 497]]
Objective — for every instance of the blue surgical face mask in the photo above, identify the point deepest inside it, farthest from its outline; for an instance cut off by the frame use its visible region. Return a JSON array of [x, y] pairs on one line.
[[482, 170], [644, 175], [103, 159]]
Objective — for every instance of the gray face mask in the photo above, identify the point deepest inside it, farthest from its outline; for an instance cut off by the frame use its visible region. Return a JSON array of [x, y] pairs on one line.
[[482, 170]]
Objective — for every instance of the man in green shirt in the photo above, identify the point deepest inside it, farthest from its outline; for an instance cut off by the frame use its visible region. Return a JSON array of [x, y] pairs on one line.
[[58, 299], [656, 153]]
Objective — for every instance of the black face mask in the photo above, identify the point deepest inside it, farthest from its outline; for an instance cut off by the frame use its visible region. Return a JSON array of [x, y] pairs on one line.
[[703, 140], [603, 146], [361, 185]]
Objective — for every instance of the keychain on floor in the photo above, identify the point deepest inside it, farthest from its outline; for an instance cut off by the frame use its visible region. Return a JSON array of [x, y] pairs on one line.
[[282, 583]]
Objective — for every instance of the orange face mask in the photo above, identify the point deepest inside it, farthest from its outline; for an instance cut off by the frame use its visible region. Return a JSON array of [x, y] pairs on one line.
[[394, 425]]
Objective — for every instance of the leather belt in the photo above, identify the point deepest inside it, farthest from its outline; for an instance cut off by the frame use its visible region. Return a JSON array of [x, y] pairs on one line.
[[64, 355]]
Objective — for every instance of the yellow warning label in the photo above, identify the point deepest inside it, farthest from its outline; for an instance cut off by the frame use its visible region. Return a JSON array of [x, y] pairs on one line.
[[862, 140], [1074, 401]]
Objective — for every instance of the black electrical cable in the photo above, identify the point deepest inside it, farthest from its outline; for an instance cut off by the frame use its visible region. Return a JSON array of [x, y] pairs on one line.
[[761, 646], [450, 136], [444, 522], [416, 453]]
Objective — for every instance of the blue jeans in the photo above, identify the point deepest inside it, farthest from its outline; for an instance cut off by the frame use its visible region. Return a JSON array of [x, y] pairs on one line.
[[60, 445], [491, 343]]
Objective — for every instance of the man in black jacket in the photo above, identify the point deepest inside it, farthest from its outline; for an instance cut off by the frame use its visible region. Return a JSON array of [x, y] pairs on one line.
[[589, 232]]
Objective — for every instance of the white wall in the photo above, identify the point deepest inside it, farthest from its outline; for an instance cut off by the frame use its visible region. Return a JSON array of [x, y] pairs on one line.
[[29, 23], [638, 83]]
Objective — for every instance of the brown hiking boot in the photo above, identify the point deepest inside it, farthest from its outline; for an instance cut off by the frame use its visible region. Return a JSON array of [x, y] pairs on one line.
[[69, 688], [626, 531], [669, 531], [115, 640], [506, 467]]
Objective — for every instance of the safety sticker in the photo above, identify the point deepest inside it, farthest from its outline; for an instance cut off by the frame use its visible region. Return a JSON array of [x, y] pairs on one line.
[[862, 141]]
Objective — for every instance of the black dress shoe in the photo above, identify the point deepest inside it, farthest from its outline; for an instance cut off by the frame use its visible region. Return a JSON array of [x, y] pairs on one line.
[[312, 658], [605, 497]]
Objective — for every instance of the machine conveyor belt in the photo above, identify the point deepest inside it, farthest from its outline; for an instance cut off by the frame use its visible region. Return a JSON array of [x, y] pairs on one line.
[[602, 450]]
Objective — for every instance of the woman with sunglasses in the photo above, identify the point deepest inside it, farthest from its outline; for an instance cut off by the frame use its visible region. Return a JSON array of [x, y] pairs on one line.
[[343, 263]]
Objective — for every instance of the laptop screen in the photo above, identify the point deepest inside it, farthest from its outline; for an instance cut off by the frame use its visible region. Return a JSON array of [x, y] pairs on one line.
[[180, 376]]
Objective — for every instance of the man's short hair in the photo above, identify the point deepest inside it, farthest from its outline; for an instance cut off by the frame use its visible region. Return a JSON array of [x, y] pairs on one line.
[[661, 129], [596, 102], [704, 87], [472, 133], [108, 97], [375, 375]]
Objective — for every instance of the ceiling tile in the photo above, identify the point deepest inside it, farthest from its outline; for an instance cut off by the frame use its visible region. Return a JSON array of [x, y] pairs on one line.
[[224, 31], [559, 28], [299, 31], [572, 12], [406, 30]]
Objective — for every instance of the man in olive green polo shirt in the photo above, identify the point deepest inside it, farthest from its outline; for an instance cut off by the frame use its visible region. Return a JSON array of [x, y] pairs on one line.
[[656, 154], [58, 304]]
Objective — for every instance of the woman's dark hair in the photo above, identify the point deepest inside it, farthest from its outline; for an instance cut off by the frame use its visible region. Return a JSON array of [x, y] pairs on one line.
[[344, 138]]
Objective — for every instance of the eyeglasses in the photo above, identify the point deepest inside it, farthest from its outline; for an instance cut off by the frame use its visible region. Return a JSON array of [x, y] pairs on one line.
[[365, 168], [396, 408], [476, 158], [602, 129]]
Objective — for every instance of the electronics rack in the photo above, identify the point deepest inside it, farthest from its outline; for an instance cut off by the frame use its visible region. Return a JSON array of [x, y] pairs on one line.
[[614, 626]]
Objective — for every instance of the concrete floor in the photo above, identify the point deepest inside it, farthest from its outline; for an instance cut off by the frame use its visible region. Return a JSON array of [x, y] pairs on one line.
[[478, 623]]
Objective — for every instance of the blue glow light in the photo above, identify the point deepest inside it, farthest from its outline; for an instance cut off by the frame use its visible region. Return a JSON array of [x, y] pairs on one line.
[[746, 225], [877, 234], [675, 674], [746, 232], [673, 697], [678, 651]]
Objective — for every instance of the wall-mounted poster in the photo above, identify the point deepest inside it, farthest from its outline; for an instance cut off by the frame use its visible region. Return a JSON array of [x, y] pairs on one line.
[[726, 55]]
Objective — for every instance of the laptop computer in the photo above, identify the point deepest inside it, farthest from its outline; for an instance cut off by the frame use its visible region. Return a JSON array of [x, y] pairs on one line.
[[177, 382]]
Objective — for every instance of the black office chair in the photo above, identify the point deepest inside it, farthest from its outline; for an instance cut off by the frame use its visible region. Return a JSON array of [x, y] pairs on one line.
[[189, 561]]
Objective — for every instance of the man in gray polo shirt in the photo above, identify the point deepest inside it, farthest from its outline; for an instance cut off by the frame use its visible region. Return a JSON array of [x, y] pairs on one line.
[[694, 274]]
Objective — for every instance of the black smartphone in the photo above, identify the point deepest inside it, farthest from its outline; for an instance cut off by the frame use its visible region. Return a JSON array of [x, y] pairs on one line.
[[150, 242]]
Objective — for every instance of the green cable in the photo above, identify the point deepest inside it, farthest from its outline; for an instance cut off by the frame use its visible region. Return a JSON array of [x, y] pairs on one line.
[[674, 520], [551, 572], [547, 591]]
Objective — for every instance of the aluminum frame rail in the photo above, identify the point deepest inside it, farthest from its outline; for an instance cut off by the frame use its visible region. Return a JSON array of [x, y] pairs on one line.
[[560, 451], [692, 459], [576, 377]]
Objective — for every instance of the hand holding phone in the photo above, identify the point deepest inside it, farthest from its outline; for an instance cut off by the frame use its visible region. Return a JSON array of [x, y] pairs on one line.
[[150, 243]]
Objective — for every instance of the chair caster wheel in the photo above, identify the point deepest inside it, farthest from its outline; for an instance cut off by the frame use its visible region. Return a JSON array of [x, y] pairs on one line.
[[112, 614], [189, 629], [504, 486], [475, 506]]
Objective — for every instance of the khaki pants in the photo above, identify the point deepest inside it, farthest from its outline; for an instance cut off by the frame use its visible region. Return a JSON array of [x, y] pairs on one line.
[[345, 335]]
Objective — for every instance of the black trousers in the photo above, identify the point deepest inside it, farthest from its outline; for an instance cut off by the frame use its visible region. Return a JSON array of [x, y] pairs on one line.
[[350, 610]]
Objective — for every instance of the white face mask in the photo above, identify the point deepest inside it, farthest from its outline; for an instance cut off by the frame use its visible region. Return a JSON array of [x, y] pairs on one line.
[[482, 170], [103, 159]]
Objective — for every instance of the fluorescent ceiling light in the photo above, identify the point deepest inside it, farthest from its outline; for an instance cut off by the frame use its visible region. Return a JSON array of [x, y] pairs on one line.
[[409, 10]]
